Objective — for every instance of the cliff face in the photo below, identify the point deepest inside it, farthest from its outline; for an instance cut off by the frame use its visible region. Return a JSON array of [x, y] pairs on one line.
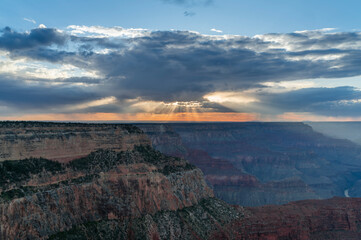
[[103, 186], [120, 177], [63, 142], [254, 164], [337, 218]]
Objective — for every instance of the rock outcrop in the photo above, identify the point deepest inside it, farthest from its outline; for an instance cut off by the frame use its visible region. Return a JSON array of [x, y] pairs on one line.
[[64, 141], [105, 185], [125, 180], [337, 218]]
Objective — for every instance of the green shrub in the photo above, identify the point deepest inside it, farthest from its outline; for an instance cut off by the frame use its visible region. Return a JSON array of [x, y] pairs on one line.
[[20, 170]]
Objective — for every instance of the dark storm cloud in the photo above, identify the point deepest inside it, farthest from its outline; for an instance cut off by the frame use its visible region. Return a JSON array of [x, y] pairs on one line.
[[314, 39], [45, 54], [11, 40], [184, 66], [326, 101], [70, 80], [22, 95], [338, 109], [102, 42], [216, 107]]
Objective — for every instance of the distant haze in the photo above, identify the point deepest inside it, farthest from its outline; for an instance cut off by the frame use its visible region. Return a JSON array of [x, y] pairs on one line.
[[342, 130]]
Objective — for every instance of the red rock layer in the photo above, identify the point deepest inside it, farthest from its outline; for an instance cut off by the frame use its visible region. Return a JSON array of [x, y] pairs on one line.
[[336, 218], [129, 191]]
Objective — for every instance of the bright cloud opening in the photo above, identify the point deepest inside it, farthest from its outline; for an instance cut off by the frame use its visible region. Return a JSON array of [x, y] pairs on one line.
[[230, 97]]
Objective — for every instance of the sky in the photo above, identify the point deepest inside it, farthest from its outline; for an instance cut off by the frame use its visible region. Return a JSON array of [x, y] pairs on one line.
[[180, 60]]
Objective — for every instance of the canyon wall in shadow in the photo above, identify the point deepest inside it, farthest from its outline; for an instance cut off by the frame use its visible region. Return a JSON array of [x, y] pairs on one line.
[[341, 130], [254, 164]]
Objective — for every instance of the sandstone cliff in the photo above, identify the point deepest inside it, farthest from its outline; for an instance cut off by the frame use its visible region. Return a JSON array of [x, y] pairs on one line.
[[37, 202], [337, 218], [100, 172], [64, 141]]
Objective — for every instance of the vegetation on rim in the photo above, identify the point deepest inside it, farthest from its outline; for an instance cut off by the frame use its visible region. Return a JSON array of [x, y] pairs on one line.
[[14, 174]]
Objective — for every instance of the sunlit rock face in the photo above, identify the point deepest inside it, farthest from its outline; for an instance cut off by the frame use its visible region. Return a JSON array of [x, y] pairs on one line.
[[39, 197], [63, 142], [253, 164]]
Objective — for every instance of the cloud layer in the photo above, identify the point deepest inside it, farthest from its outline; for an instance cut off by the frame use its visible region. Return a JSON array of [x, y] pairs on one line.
[[145, 71]]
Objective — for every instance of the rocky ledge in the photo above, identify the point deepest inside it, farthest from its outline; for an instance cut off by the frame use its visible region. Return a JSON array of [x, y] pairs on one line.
[[63, 142], [40, 197], [337, 218]]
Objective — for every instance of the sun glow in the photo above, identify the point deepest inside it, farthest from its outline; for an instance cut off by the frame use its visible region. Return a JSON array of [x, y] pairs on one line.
[[95, 103], [168, 107], [142, 117], [230, 97]]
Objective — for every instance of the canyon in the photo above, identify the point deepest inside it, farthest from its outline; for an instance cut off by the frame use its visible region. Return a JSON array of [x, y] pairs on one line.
[[126, 189], [253, 164]]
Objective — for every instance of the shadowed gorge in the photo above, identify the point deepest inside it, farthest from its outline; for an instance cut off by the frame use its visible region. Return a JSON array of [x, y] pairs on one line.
[[253, 164]]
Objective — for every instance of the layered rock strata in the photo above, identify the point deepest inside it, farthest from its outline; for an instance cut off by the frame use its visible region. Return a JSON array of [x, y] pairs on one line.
[[64, 141], [337, 218], [54, 176], [253, 164]]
